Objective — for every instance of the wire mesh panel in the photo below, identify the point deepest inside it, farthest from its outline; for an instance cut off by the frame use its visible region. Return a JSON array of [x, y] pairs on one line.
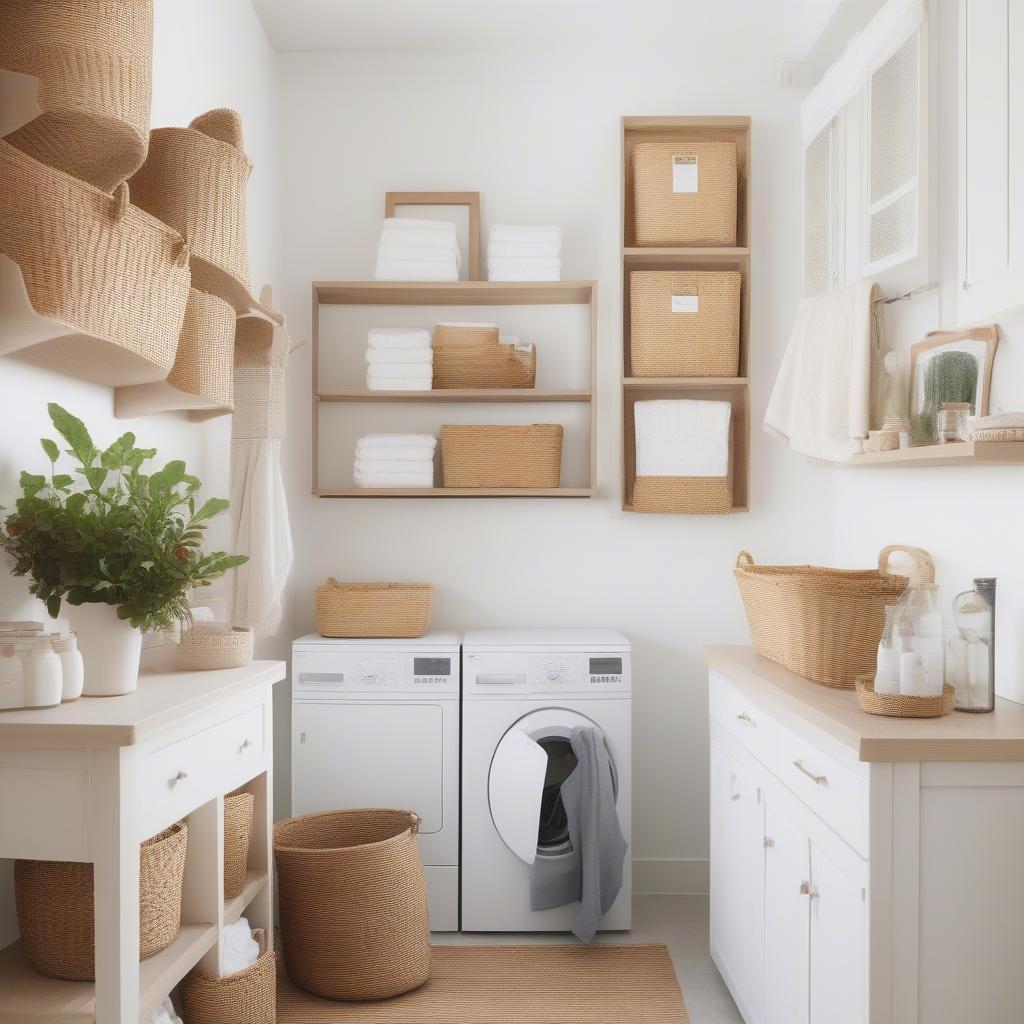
[[819, 211]]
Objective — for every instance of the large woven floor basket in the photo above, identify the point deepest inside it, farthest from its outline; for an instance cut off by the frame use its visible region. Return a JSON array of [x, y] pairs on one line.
[[353, 903], [246, 997], [490, 455], [823, 624], [373, 609], [473, 356], [238, 810], [54, 901]]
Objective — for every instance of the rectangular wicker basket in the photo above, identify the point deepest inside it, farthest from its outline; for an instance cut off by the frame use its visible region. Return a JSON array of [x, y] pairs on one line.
[[485, 455], [473, 356], [683, 495], [373, 609], [701, 210], [684, 323]]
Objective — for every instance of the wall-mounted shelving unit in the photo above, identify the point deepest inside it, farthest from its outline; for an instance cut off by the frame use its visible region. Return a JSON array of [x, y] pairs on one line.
[[634, 257], [435, 296]]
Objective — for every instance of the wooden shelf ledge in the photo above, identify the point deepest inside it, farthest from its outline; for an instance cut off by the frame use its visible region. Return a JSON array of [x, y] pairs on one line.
[[640, 255], [455, 395], [964, 453], [255, 882], [683, 383], [453, 293], [454, 492]]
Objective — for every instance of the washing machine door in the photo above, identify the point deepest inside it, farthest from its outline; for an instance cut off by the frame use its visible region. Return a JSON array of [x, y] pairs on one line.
[[529, 765]]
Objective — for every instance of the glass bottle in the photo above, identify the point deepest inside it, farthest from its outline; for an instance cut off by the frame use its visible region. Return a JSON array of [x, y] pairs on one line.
[[975, 614], [919, 625]]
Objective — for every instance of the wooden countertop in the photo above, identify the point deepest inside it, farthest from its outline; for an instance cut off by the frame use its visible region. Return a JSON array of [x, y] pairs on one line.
[[162, 699], [998, 736]]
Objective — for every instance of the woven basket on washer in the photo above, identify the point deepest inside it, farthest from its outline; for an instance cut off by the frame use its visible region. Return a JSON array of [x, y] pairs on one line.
[[246, 997], [490, 455], [238, 808], [210, 645], [684, 323], [682, 495], [706, 216], [54, 901], [94, 63], [373, 609], [902, 705], [97, 265], [468, 356], [353, 903], [822, 624]]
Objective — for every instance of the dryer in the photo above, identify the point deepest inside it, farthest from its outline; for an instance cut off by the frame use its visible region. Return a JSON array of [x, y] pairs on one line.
[[523, 693], [375, 723]]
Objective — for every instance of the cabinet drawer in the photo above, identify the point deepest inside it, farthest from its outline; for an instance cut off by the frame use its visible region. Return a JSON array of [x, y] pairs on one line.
[[836, 794], [176, 779], [742, 718]]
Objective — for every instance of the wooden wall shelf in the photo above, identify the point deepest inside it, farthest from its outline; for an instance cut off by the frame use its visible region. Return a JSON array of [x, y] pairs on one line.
[[965, 453], [456, 395]]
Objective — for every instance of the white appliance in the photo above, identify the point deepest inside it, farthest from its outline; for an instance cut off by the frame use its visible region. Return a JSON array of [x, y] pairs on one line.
[[375, 723], [533, 685]]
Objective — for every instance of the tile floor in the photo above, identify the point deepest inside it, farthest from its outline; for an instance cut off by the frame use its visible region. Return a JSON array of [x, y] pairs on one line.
[[681, 923]]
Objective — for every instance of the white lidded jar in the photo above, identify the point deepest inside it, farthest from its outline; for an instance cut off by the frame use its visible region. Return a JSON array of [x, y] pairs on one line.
[[71, 664], [44, 683], [12, 678]]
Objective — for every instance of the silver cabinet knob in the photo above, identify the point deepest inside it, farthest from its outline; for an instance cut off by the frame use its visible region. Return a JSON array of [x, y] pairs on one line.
[[745, 718], [818, 780], [181, 775], [806, 890], [246, 743]]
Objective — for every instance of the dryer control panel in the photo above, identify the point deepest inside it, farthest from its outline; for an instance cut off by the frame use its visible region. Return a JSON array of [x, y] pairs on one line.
[[545, 672], [316, 675]]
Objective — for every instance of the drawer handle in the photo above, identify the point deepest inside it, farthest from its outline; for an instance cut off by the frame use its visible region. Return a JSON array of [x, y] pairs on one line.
[[806, 890], [246, 743], [818, 780], [177, 778], [745, 718]]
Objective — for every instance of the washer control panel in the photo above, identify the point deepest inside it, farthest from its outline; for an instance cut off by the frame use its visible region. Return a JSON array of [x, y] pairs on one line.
[[316, 673], [544, 672]]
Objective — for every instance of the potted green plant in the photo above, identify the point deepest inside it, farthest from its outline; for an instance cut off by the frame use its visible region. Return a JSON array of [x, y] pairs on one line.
[[119, 547]]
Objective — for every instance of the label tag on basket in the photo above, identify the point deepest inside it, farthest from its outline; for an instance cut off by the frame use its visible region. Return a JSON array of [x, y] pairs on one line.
[[684, 174], [685, 303]]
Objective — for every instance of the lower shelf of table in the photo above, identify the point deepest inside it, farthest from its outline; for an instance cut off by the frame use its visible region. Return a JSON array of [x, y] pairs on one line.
[[454, 492], [234, 908]]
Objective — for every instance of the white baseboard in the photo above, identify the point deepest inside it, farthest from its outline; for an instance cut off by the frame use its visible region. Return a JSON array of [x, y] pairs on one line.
[[670, 877]]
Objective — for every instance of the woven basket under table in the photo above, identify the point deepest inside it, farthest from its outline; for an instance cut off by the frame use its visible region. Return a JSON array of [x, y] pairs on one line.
[[246, 997], [238, 810], [490, 455], [373, 609]]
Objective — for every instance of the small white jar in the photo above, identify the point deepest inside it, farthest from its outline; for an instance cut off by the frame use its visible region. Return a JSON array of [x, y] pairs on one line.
[[72, 666], [12, 678], [44, 683]]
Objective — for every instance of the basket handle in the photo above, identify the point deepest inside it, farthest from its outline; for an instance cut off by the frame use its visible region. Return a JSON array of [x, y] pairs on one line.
[[181, 255], [922, 568], [121, 198], [744, 559], [332, 582], [416, 821]]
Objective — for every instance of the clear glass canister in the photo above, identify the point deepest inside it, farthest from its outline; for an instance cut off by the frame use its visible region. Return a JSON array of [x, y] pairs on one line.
[[971, 650], [952, 422]]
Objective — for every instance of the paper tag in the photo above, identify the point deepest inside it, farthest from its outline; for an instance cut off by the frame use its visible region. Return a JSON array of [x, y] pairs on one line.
[[684, 173], [685, 303]]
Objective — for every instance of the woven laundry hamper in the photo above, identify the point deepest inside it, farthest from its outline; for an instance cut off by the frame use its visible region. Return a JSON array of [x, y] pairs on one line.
[[114, 279], [685, 193], [684, 323], [211, 645], [474, 357], [683, 495], [373, 609], [93, 60], [54, 901], [823, 624], [490, 455], [203, 373], [246, 997], [353, 903], [238, 810]]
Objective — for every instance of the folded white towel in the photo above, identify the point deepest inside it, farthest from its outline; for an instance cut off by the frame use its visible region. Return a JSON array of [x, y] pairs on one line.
[[523, 262], [394, 480], [403, 356], [398, 337], [690, 458], [418, 239], [416, 253], [403, 453], [368, 467], [399, 384], [397, 441], [525, 233], [381, 371], [416, 270], [530, 249], [240, 950], [682, 438], [528, 274], [420, 224]]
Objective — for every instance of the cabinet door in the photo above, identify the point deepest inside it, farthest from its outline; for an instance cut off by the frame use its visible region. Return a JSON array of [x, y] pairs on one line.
[[838, 944], [786, 921], [719, 865]]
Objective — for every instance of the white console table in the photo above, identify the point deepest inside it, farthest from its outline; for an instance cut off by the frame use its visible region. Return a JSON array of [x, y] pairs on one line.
[[90, 780]]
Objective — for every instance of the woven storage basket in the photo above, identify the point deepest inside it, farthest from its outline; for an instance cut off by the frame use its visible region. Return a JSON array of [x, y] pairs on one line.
[[706, 216], [93, 59], [210, 645], [901, 705], [246, 997], [486, 455], [97, 265], [54, 902], [353, 903], [238, 808], [823, 624], [682, 495], [684, 323], [474, 357], [373, 609]]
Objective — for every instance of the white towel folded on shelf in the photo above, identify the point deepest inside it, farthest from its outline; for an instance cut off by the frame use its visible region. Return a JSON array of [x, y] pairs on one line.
[[398, 384], [446, 227], [406, 356], [399, 453], [524, 274], [394, 479], [388, 252], [240, 949], [414, 467], [418, 239], [523, 262], [398, 337], [412, 370], [682, 438], [525, 233], [416, 270], [397, 441], [524, 249]]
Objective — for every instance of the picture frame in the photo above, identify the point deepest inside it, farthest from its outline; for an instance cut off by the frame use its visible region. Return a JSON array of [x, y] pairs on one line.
[[392, 200]]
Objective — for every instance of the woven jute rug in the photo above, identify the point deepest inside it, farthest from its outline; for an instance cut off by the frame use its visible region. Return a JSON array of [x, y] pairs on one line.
[[517, 985]]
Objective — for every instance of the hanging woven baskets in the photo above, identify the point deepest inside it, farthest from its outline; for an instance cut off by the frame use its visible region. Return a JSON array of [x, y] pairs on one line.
[[93, 60], [111, 281]]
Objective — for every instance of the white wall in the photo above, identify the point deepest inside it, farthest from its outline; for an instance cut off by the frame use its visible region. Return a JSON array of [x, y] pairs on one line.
[[538, 136], [205, 56]]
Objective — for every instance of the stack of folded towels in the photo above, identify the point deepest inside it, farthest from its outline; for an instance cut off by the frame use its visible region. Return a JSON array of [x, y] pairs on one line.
[[417, 250], [520, 253], [682, 438], [395, 460], [399, 359], [240, 949]]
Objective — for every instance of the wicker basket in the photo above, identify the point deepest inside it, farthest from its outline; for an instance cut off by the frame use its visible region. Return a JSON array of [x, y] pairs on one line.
[[97, 265], [247, 997], [823, 624], [353, 903], [472, 356], [901, 705], [373, 609], [210, 645], [501, 456], [54, 902], [684, 323], [704, 213], [682, 495], [238, 809], [93, 59]]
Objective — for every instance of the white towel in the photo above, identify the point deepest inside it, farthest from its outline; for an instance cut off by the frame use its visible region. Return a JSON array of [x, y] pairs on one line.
[[529, 249], [447, 227], [399, 453], [398, 337], [416, 270], [240, 949], [399, 384], [381, 371], [529, 274], [404, 356], [165, 1014], [394, 479], [821, 403], [525, 233], [418, 239], [414, 467], [523, 262], [682, 438], [398, 441], [416, 253]]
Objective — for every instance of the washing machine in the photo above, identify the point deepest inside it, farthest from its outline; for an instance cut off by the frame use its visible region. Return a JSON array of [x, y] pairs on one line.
[[523, 692], [375, 723]]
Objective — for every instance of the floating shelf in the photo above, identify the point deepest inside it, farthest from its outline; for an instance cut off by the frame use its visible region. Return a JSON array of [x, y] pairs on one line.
[[456, 492], [455, 395], [452, 293], [964, 453], [684, 383], [636, 256]]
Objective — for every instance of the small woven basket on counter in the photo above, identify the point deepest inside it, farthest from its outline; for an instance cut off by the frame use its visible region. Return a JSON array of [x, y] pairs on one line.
[[473, 356], [209, 645], [490, 455], [903, 705], [373, 609], [238, 811], [246, 997]]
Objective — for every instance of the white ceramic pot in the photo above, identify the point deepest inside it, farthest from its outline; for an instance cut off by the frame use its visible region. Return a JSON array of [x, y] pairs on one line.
[[110, 648]]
